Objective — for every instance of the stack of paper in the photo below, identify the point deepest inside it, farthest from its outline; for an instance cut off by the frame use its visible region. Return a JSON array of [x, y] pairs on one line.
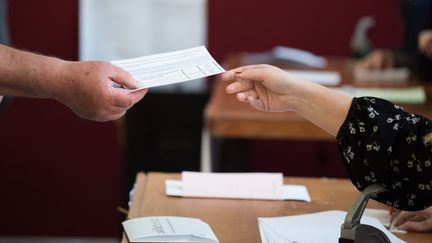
[[236, 185], [286, 54], [330, 78], [300, 56], [320, 227], [168, 229], [386, 75]]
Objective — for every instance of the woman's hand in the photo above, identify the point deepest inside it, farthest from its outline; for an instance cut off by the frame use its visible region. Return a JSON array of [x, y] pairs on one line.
[[420, 221], [268, 88], [264, 87]]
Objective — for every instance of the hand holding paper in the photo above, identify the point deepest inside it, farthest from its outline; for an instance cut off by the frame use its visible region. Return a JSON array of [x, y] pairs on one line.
[[171, 67]]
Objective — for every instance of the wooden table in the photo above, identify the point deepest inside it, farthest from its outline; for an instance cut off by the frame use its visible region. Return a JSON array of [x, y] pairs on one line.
[[236, 220], [228, 118]]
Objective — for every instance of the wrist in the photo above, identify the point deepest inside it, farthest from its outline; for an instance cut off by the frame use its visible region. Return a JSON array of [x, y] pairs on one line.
[[301, 95], [322, 106], [60, 80]]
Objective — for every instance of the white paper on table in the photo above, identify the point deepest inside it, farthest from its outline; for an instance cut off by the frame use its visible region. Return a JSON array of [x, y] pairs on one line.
[[408, 95], [286, 54], [222, 185], [296, 192], [168, 229], [290, 192], [319, 227], [233, 185], [300, 56], [171, 67], [330, 78], [383, 216], [385, 75]]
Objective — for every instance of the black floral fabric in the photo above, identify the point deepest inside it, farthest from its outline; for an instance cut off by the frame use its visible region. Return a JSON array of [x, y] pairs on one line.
[[381, 143]]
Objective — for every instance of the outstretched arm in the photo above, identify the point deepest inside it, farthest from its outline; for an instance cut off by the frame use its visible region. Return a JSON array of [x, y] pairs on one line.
[[269, 88], [85, 87], [379, 141]]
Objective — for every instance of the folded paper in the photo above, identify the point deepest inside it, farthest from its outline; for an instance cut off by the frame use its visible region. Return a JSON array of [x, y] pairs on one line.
[[168, 229]]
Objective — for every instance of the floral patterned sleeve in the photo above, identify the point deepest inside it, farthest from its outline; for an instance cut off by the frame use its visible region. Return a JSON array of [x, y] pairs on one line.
[[381, 143]]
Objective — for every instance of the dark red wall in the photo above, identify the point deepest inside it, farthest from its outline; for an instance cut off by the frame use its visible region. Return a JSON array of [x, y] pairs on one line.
[[46, 26], [323, 27], [59, 174]]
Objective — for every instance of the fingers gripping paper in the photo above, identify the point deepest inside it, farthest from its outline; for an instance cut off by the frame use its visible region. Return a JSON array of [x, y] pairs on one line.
[[171, 67]]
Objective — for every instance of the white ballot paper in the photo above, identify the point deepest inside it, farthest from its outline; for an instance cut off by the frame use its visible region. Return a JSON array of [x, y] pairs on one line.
[[168, 229], [267, 186], [319, 227], [171, 67]]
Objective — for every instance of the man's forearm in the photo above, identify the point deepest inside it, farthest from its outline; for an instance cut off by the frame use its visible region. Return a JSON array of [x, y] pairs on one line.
[[28, 74]]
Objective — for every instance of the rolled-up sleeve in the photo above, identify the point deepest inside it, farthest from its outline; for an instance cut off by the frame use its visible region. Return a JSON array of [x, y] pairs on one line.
[[381, 143]]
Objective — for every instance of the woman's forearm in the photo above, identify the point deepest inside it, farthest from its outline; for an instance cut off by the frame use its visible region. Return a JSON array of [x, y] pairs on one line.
[[322, 106]]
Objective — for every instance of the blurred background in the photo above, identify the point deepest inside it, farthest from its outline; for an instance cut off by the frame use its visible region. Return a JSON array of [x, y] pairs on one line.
[[61, 176]]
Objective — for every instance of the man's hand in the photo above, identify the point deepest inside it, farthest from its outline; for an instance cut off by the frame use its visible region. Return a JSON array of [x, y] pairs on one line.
[[87, 88]]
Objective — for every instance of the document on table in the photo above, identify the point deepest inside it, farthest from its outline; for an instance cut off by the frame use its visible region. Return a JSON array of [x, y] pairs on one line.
[[168, 229], [385, 75], [286, 54], [171, 67], [409, 95], [383, 216], [300, 56], [319, 227], [236, 185], [330, 78]]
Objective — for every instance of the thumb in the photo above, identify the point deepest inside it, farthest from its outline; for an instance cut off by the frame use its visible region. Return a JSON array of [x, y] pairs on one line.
[[126, 99], [124, 78]]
